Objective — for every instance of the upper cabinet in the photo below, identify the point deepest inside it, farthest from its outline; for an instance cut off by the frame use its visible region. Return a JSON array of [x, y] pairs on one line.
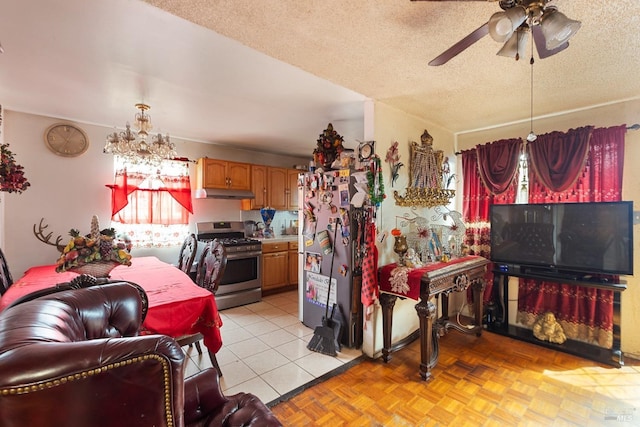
[[212, 173], [292, 189], [273, 187], [258, 187], [277, 178]]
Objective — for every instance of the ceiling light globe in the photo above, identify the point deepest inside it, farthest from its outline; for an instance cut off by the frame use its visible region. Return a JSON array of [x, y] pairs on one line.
[[557, 28], [503, 24], [532, 137]]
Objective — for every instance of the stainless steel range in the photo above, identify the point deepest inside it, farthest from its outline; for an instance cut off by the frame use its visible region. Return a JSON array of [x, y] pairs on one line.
[[241, 281]]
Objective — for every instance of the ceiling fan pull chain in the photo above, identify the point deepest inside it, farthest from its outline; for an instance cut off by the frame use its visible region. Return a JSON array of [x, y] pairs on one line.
[[532, 136]]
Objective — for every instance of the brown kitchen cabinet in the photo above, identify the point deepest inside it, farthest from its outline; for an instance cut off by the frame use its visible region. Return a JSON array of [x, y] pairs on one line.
[[213, 173], [275, 266], [258, 187], [293, 263], [292, 189], [273, 187], [277, 188]]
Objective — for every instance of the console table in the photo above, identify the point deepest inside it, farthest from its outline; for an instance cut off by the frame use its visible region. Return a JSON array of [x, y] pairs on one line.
[[433, 280]]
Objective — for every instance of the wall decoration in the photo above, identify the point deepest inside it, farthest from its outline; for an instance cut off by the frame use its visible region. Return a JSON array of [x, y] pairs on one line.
[[366, 150], [12, 179], [393, 158], [427, 172], [328, 149]]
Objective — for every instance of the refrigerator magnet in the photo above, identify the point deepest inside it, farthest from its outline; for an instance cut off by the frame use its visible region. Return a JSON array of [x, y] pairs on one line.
[[343, 270], [325, 242]]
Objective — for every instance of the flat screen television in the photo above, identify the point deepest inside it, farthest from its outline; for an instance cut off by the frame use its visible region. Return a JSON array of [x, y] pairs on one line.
[[558, 238]]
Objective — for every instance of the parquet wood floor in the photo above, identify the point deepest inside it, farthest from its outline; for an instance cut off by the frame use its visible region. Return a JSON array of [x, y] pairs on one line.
[[490, 380]]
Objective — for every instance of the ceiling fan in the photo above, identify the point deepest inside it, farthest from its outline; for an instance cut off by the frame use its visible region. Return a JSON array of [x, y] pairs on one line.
[[551, 30]]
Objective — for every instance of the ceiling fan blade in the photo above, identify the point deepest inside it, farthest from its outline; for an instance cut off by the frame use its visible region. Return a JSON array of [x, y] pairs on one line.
[[461, 45], [541, 45]]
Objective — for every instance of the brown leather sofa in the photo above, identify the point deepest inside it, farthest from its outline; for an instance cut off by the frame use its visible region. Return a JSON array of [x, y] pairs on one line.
[[73, 358]]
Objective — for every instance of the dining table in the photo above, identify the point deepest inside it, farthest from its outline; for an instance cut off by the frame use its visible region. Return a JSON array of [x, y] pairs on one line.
[[177, 306]]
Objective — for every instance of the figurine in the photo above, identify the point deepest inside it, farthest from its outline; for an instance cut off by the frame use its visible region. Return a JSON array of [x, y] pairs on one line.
[[547, 328], [411, 259]]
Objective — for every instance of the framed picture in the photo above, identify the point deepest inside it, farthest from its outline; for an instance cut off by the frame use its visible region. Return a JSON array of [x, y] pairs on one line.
[[312, 262]]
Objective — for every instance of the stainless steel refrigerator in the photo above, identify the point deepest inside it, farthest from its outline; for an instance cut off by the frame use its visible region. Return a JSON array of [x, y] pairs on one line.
[[331, 242]]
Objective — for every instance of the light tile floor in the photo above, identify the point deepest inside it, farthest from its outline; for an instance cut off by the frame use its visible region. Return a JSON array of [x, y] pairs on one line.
[[264, 350]]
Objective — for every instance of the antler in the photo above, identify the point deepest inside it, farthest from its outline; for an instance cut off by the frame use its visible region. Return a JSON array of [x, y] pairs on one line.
[[47, 239]]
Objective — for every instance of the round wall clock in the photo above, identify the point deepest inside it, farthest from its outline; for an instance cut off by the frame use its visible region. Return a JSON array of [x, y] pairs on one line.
[[66, 140], [366, 150]]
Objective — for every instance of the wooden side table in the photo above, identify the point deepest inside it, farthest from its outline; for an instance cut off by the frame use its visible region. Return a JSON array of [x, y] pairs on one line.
[[437, 280]]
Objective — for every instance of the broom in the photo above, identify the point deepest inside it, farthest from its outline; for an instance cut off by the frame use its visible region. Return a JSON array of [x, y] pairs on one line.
[[324, 339]]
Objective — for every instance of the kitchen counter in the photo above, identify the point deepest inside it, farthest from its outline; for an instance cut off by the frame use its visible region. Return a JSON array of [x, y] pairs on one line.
[[277, 239]]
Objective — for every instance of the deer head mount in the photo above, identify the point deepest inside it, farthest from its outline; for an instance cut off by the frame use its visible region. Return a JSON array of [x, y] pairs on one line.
[[47, 238]]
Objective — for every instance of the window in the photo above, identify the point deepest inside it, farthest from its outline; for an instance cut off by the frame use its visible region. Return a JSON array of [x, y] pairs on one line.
[[151, 204]]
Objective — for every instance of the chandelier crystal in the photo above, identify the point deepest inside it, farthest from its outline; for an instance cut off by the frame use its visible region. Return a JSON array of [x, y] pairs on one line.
[[133, 146]]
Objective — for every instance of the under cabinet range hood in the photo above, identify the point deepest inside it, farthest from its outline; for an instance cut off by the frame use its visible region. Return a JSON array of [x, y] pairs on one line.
[[223, 193]]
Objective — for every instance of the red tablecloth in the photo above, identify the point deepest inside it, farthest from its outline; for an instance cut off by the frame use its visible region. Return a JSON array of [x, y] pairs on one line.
[[176, 305], [405, 281]]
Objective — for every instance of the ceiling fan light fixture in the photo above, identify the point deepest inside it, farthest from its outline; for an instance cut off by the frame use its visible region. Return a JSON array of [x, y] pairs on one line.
[[516, 46], [557, 28], [503, 24]]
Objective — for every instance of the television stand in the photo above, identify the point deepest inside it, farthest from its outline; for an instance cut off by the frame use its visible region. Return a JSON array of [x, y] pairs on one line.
[[500, 323]]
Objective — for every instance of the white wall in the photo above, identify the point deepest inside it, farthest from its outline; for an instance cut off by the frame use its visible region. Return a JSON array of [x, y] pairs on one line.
[[392, 125], [67, 192]]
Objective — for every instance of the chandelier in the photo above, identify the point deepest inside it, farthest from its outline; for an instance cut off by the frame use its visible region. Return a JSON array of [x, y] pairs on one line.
[[133, 146]]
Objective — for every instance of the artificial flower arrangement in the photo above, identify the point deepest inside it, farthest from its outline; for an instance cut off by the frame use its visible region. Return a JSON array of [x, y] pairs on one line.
[[96, 253], [12, 179]]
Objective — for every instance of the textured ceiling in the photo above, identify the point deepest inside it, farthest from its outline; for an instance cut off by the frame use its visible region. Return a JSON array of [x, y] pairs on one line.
[[270, 74], [380, 48]]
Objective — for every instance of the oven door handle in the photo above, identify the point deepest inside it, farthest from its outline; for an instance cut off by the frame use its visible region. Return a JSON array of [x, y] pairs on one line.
[[243, 255]]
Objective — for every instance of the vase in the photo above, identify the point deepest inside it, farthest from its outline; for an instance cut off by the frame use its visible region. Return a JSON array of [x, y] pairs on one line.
[[400, 247], [267, 217]]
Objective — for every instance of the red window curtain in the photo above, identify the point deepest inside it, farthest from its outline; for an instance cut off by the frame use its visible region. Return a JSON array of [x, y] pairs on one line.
[[586, 314], [477, 198], [144, 197], [498, 163], [557, 158]]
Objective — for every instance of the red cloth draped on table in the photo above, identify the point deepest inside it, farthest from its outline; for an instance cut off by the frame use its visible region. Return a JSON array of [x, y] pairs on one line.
[[176, 305], [586, 314], [405, 282], [370, 290], [495, 163], [176, 188]]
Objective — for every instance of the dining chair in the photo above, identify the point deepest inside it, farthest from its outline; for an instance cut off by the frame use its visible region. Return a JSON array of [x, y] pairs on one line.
[[211, 266], [188, 253], [5, 275]]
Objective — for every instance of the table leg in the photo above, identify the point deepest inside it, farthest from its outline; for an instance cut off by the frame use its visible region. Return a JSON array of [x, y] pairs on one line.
[[478, 292], [428, 341], [387, 301], [445, 306]]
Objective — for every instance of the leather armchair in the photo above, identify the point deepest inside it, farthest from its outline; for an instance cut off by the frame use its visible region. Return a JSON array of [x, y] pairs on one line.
[[73, 358]]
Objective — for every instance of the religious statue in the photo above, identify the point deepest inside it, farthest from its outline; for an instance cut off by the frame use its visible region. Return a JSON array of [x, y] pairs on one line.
[[547, 328], [411, 259]]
